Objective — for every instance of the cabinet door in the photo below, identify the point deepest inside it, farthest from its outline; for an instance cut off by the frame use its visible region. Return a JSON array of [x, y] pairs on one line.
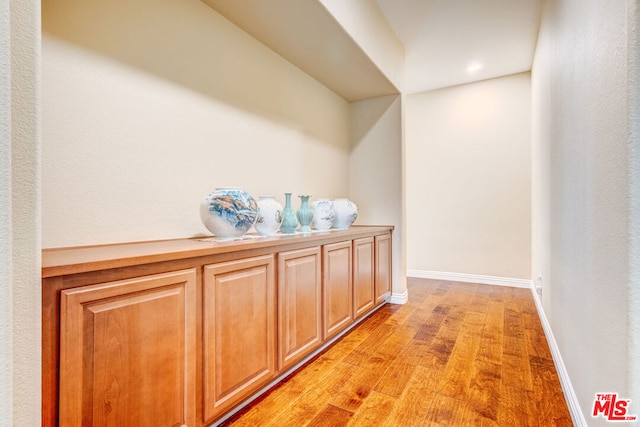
[[238, 331], [363, 276], [383, 267], [338, 290], [127, 352], [299, 304]]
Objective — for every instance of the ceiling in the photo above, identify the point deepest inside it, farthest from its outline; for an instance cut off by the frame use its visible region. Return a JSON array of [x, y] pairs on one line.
[[307, 35], [444, 38], [441, 39]]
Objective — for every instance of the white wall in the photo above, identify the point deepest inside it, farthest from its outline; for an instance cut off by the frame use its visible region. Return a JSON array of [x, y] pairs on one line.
[[633, 75], [375, 174], [468, 179], [6, 285], [586, 235], [20, 304], [151, 104]]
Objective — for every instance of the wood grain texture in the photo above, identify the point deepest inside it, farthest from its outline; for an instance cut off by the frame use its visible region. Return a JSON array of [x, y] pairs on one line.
[[299, 304], [457, 354], [239, 323], [383, 271], [50, 350], [83, 259], [222, 283], [363, 276], [127, 352], [338, 288]]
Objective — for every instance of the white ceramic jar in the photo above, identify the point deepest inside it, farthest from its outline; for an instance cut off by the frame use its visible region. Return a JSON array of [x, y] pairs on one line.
[[269, 216], [345, 212], [228, 212], [322, 214]]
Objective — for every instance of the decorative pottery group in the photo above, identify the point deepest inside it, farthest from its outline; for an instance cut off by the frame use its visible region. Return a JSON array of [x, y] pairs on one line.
[[229, 212]]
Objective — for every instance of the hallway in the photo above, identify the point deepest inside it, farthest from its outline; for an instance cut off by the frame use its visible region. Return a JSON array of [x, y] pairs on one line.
[[456, 354]]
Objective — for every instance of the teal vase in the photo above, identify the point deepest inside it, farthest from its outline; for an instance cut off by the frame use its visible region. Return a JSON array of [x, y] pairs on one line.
[[289, 220], [305, 215]]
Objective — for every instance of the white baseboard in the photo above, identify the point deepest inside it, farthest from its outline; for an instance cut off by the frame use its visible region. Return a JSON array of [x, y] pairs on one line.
[[399, 298], [471, 278], [569, 394]]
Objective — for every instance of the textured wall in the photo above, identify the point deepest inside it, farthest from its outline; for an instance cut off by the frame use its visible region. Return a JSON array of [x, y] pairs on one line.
[[468, 178], [633, 75], [586, 242], [150, 105], [20, 309], [6, 285]]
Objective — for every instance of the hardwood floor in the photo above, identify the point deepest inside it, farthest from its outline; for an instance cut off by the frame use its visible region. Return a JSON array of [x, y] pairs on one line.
[[456, 354]]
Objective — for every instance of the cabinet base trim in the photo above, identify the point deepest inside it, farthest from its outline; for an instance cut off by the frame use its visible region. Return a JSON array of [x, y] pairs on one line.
[[291, 370]]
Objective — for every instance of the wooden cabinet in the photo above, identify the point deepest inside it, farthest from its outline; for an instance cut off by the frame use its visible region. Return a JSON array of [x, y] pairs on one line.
[[180, 332], [383, 267], [338, 289], [239, 331], [299, 304], [127, 352], [363, 276]]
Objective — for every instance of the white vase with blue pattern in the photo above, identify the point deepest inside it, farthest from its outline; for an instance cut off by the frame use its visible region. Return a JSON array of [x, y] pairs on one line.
[[228, 212]]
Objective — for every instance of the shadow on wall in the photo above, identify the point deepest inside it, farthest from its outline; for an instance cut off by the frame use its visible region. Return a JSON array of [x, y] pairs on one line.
[[376, 144], [369, 117], [188, 43]]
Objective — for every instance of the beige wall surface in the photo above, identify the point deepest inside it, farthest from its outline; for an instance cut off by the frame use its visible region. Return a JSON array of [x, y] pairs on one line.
[[368, 27], [150, 105], [375, 172], [585, 174], [468, 179]]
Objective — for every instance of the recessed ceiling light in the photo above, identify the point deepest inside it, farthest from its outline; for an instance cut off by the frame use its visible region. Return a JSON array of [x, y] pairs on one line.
[[474, 67]]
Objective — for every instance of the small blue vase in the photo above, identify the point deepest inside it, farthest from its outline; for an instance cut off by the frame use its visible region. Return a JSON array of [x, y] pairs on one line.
[[289, 220], [305, 215]]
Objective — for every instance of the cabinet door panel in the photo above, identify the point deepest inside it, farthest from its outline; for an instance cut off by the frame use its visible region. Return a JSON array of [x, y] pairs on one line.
[[127, 352], [239, 331], [299, 302], [363, 275], [338, 291], [383, 267]]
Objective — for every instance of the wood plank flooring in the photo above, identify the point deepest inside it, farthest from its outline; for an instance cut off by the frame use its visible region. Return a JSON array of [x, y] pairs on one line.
[[457, 354]]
